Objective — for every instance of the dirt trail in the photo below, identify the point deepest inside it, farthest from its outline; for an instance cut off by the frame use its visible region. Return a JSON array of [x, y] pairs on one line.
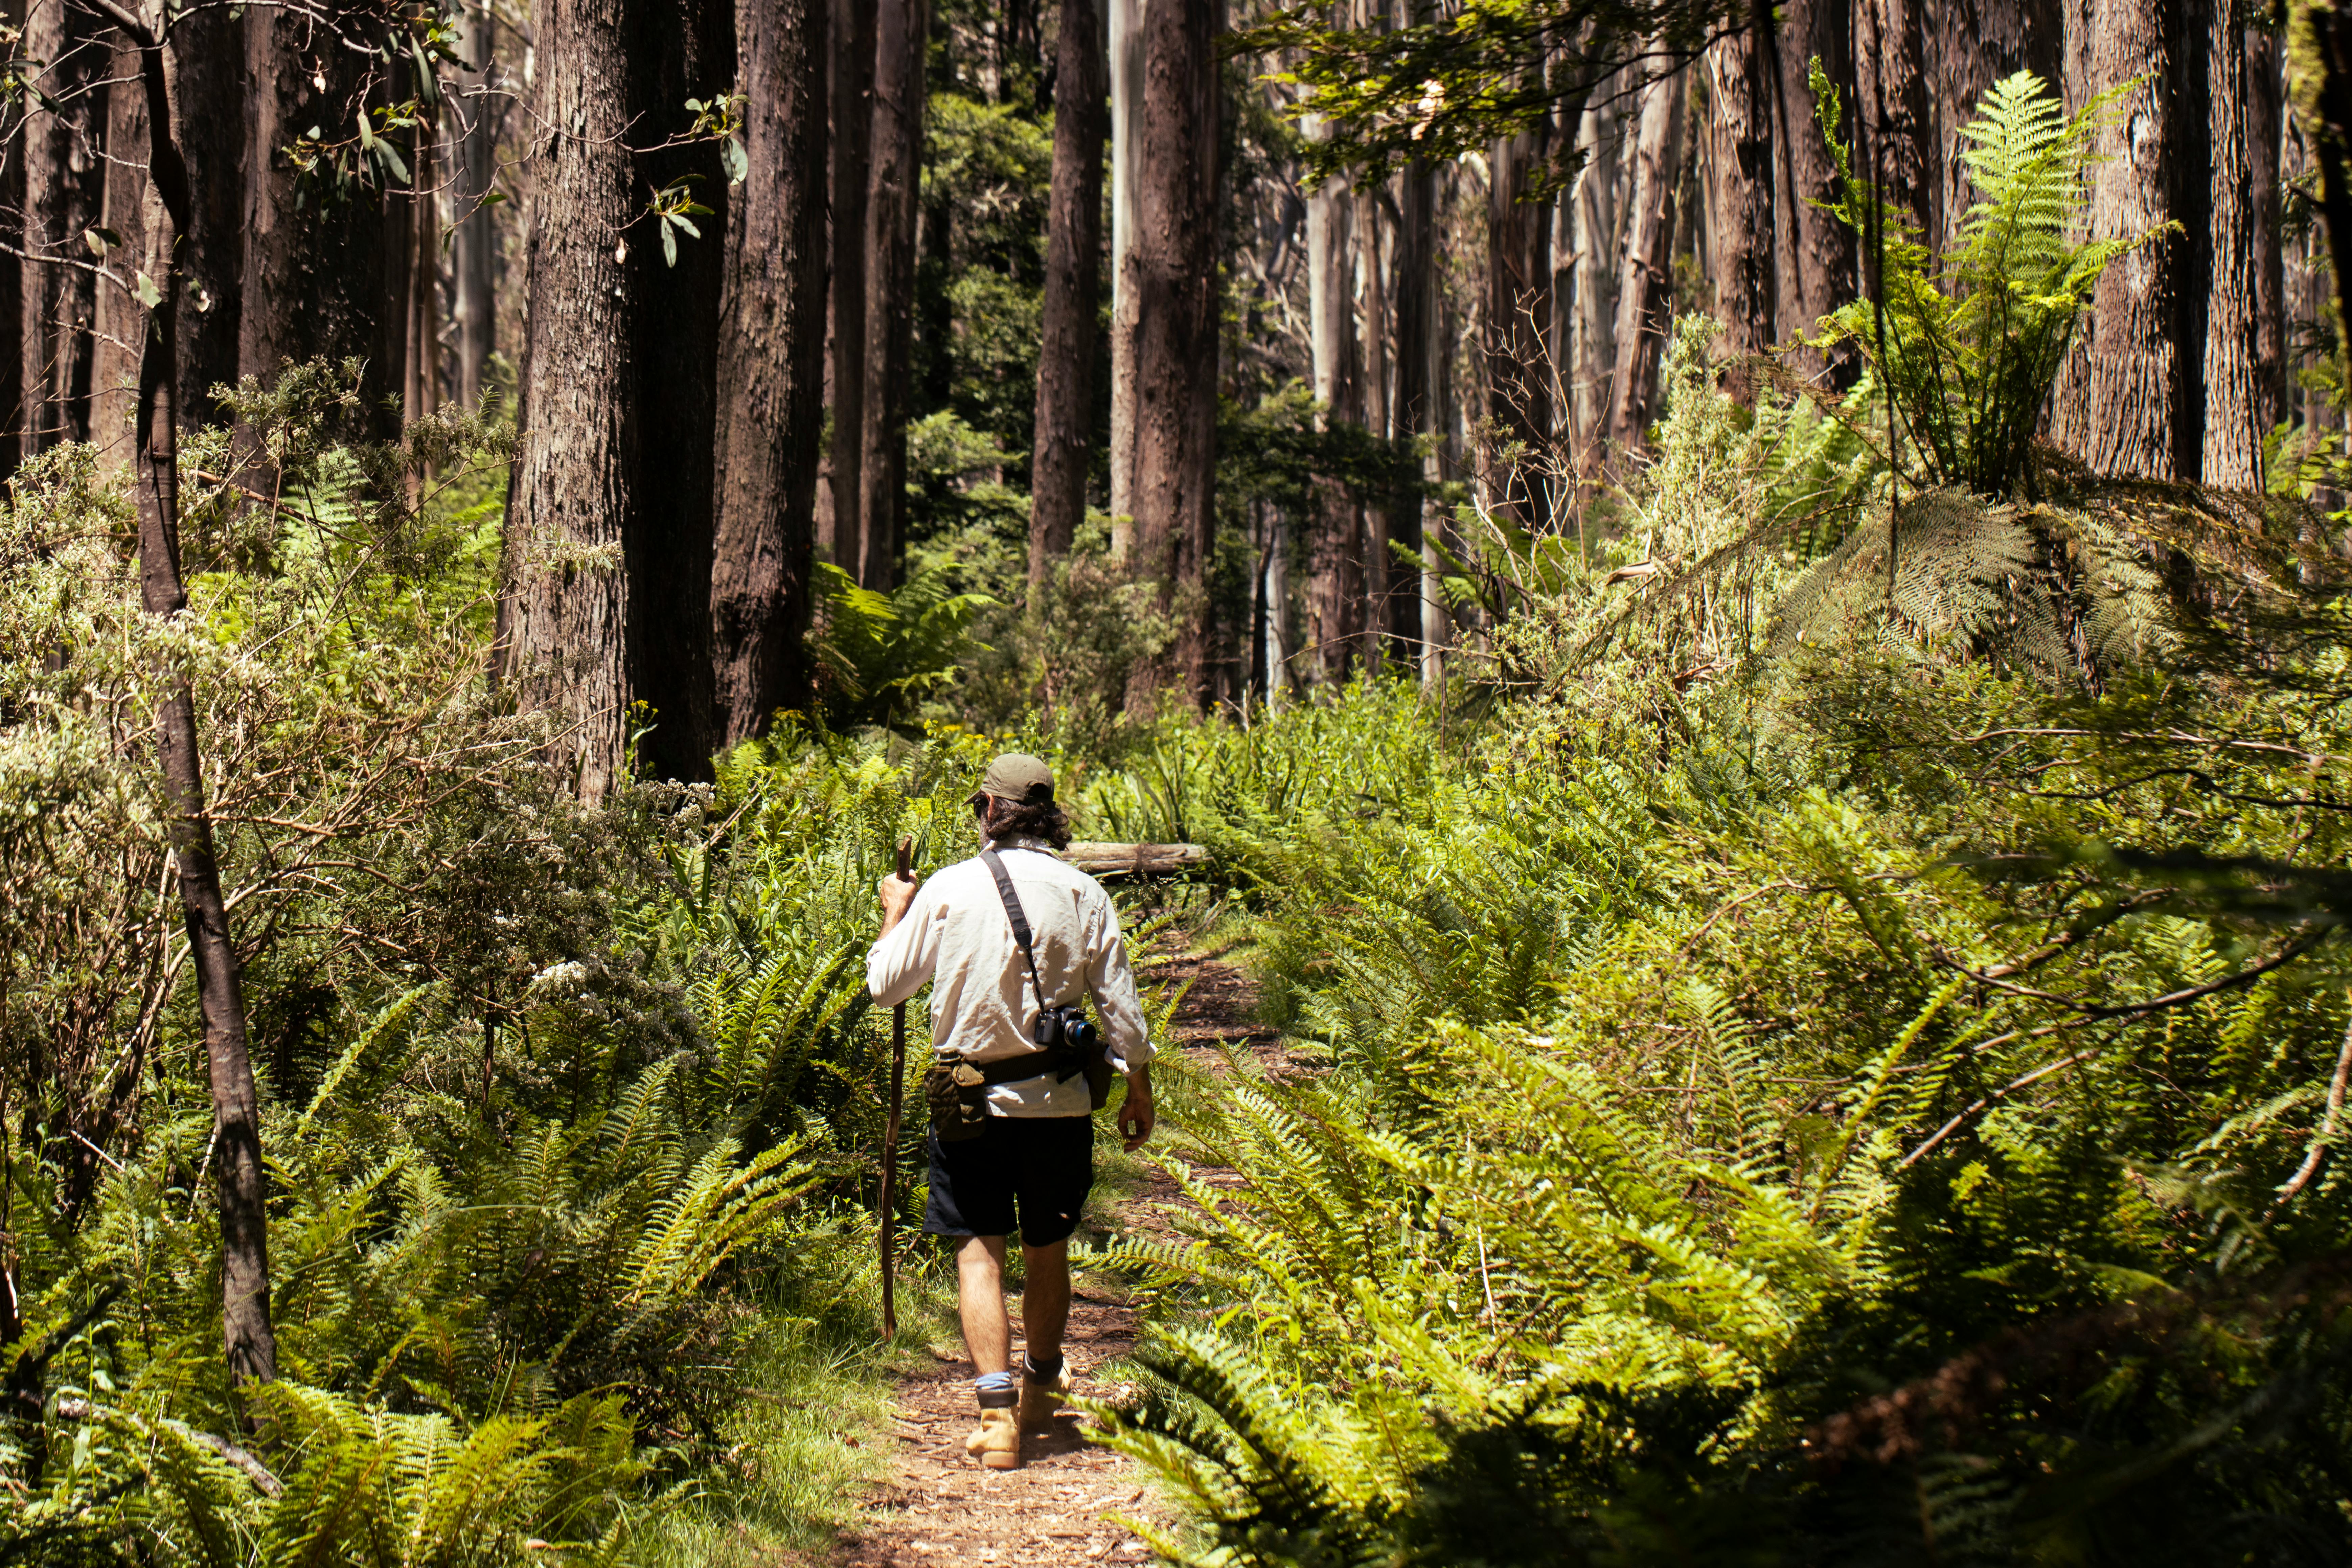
[[938, 1507]]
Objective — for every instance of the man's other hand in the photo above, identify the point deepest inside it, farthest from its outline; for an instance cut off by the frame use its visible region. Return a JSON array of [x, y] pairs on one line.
[[1135, 1117], [897, 892]]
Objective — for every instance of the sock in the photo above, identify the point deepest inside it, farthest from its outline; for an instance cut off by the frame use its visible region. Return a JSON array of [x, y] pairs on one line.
[[1041, 1368], [994, 1389]]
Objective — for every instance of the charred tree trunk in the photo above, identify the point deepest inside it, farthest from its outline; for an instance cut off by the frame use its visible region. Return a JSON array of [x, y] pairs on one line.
[[314, 247], [607, 577], [1174, 274], [1737, 173], [249, 1339], [209, 97], [892, 197], [1645, 278], [842, 509], [2133, 367], [2219, 438], [771, 370], [65, 183], [1065, 356]]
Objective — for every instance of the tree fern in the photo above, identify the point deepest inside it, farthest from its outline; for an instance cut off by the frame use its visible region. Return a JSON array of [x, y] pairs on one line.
[[1972, 340]]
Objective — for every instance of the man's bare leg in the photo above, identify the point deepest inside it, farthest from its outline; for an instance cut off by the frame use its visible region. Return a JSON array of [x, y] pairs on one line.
[[1044, 1297], [979, 1302]]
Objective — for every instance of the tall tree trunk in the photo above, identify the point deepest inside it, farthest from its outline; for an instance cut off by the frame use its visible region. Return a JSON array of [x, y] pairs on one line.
[[1335, 581], [314, 247], [249, 1339], [1371, 267], [2266, 131], [1065, 355], [65, 177], [1599, 246], [1891, 104], [842, 515], [1817, 272], [1736, 165], [473, 235], [771, 370], [1126, 94], [2132, 365], [684, 48], [1645, 278], [606, 601], [1518, 311], [1413, 413], [210, 97], [2219, 326], [1174, 274], [118, 350], [893, 194]]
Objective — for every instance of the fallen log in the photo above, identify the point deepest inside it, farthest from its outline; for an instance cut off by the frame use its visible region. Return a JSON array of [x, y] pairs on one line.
[[1134, 860]]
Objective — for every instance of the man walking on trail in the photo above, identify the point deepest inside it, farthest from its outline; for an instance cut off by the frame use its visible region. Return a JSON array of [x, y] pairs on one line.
[[1014, 940]]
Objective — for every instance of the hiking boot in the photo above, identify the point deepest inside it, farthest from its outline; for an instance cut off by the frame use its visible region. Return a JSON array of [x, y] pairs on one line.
[[1042, 1396], [997, 1443]]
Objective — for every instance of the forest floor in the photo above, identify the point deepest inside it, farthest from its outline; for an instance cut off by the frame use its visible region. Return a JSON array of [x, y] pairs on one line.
[[936, 1506]]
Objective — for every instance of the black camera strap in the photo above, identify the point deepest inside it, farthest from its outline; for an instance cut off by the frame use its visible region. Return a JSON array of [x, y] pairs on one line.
[[1028, 947]]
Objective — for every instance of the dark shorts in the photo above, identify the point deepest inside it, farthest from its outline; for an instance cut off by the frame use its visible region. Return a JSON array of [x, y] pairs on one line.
[[1043, 1165]]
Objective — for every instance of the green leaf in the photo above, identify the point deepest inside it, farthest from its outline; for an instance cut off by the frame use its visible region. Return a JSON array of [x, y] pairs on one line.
[[392, 160], [102, 240], [682, 221], [735, 159], [149, 295], [367, 137], [669, 243]]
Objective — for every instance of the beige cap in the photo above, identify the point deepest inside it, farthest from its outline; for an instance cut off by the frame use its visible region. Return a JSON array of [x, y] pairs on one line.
[[1021, 778]]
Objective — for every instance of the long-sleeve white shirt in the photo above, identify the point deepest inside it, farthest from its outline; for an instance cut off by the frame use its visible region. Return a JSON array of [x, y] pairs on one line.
[[957, 934]]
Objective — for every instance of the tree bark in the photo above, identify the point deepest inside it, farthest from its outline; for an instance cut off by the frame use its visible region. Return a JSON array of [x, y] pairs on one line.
[[473, 233], [1518, 313], [1065, 358], [312, 285], [2265, 129], [893, 194], [852, 104], [1645, 278], [2221, 433], [1335, 582], [2132, 365], [248, 1338], [65, 179], [1127, 93], [606, 601], [1174, 273], [1890, 111], [1600, 244], [1816, 253], [1974, 44], [117, 349], [1737, 174], [1413, 411], [1371, 268], [771, 370]]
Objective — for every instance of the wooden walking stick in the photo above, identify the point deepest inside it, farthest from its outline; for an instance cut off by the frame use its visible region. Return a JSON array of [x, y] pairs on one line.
[[890, 1132]]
